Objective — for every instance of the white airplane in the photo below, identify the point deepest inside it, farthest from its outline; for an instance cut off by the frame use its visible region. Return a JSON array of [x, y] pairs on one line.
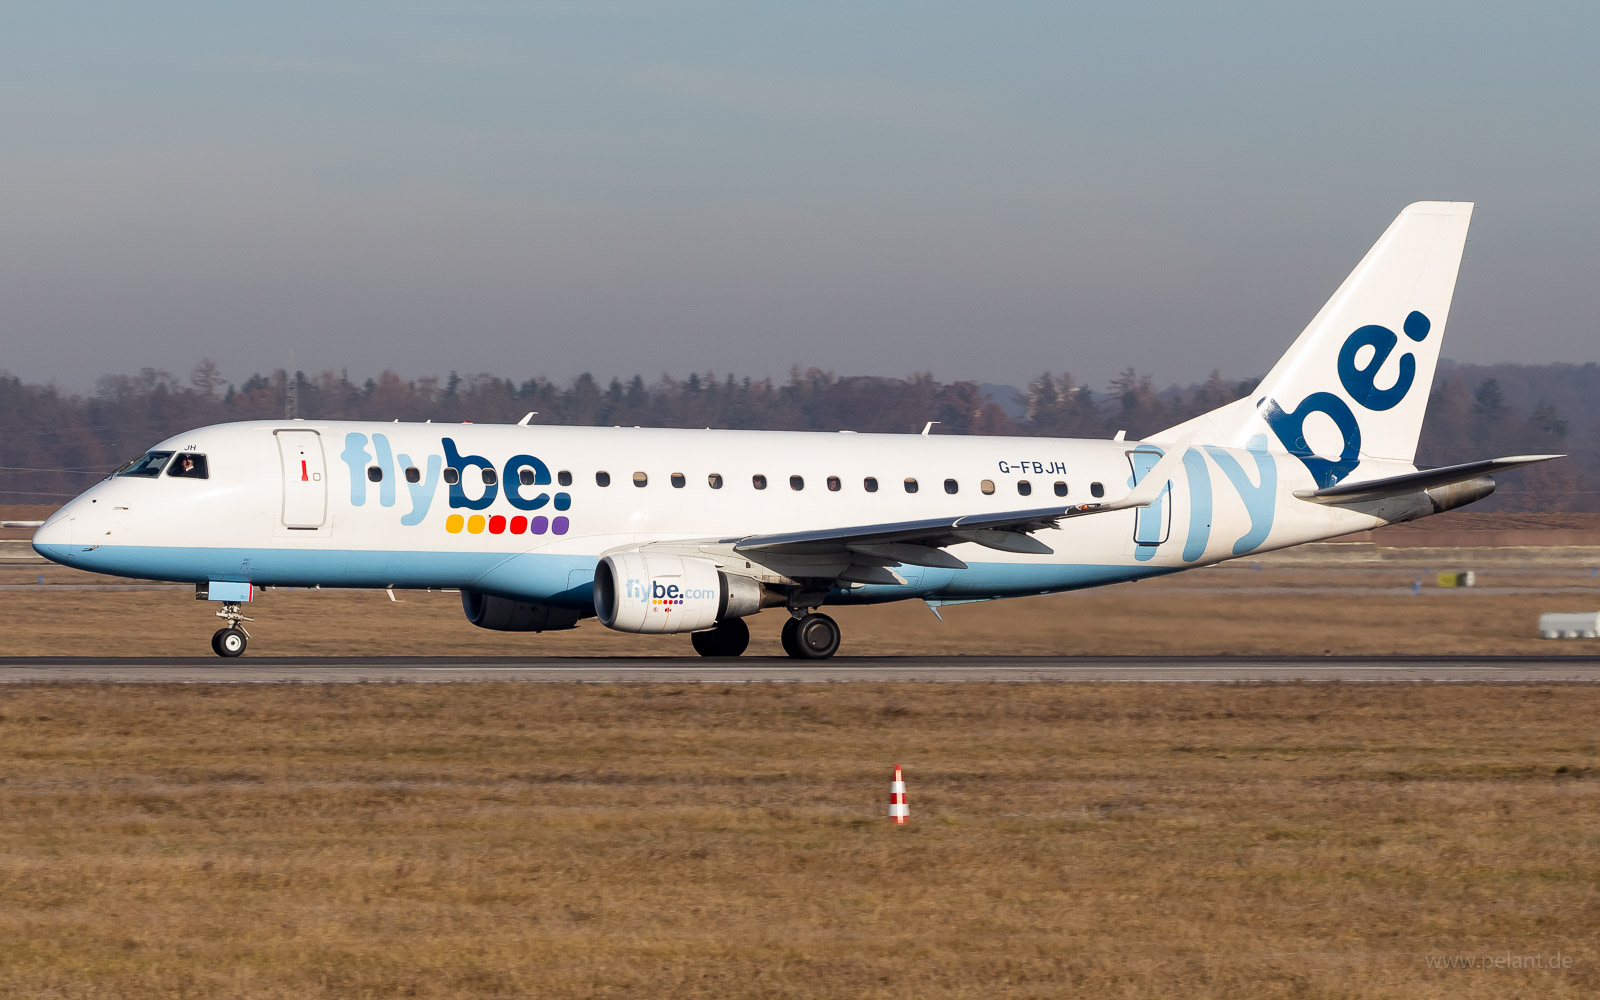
[[662, 531]]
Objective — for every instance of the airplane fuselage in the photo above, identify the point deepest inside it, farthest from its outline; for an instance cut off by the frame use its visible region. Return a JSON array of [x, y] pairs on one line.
[[334, 504]]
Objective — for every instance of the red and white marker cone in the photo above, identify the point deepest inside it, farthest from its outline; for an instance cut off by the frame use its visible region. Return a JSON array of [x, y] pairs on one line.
[[899, 812]]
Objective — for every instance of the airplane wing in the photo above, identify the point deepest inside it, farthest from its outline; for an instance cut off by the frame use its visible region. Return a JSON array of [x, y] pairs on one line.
[[863, 553], [1005, 530], [20, 524], [1416, 482]]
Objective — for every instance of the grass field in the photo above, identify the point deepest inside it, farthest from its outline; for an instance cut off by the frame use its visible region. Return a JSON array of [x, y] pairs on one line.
[[697, 841], [1224, 611]]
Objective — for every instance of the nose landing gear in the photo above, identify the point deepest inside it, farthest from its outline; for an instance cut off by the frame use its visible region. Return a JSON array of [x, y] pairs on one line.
[[231, 640]]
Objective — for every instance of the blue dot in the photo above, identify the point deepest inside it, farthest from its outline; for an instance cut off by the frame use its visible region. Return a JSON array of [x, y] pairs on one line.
[[1417, 326], [563, 501]]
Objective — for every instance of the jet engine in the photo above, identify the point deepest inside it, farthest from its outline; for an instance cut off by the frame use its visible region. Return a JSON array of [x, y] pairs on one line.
[[639, 592], [504, 615]]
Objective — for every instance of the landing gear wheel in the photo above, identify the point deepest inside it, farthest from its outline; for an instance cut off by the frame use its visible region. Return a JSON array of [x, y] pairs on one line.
[[229, 642], [814, 637], [729, 638]]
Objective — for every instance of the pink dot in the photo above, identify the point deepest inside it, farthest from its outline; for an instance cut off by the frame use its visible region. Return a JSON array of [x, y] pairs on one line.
[[560, 525], [539, 525], [497, 524], [518, 525]]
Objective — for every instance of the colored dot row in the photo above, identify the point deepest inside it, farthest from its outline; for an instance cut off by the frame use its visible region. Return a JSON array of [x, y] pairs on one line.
[[667, 600], [500, 525]]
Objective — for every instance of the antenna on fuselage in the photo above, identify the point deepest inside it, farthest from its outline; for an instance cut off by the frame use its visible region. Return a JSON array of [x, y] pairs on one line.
[[527, 417], [928, 427], [291, 391]]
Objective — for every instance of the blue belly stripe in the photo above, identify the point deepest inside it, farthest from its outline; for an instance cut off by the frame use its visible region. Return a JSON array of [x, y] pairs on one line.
[[562, 580]]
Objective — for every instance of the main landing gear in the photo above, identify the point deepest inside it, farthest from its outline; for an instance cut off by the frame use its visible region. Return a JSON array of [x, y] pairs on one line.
[[809, 636], [729, 638], [230, 641]]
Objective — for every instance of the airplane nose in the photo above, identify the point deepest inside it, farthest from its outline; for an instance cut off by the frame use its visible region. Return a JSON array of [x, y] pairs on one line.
[[53, 539]]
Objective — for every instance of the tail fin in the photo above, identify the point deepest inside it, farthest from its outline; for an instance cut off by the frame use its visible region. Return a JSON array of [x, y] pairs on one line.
[[1355, 384]]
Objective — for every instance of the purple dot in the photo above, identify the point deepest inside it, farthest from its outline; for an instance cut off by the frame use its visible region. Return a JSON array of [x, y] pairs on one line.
[[538, 524], [560, 525]]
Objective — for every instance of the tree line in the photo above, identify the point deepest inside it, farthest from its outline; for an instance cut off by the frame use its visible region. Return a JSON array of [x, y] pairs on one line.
[[53, 444]]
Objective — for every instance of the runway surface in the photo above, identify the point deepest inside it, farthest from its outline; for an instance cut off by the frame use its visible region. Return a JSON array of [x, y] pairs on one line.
[[355, 670]]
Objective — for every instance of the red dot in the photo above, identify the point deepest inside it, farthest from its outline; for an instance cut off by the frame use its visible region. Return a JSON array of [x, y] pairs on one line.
[[519, 524], [497, 524]]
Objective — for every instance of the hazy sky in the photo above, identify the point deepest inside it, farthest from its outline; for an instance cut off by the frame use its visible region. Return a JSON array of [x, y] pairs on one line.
[[978, 190]]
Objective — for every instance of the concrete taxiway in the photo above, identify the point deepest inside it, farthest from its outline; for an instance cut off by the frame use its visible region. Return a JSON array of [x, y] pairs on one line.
[[1199, 669]]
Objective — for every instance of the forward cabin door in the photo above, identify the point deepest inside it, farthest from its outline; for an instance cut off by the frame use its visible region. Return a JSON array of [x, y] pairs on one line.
[[305, 479]]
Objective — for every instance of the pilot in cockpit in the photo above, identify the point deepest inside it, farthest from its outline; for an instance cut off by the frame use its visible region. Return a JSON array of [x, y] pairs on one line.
[[189, 467]]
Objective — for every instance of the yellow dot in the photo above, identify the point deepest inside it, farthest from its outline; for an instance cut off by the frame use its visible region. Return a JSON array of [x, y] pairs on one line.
[[475, 524], [453, 523]]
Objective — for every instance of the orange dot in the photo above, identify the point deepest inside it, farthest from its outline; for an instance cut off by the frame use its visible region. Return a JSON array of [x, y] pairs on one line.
[[475, 524], [453, 524]]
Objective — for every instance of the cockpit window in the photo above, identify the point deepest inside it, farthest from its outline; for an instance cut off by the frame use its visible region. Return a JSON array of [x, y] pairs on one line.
[[188, 466], [148, 466]]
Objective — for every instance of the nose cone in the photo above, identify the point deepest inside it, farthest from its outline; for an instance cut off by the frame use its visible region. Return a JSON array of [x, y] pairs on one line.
[[53, 539]]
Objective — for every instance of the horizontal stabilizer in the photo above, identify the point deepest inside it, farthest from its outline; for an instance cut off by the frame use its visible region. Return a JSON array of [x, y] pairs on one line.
[[1416, 482]]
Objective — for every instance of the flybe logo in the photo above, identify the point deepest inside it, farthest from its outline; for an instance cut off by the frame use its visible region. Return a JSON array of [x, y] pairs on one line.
[[665, 594], [520, 482], [1360, 382]]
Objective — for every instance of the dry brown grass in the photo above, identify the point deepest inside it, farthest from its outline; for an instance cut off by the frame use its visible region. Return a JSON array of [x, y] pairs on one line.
[[526, 840], [1197, 613]]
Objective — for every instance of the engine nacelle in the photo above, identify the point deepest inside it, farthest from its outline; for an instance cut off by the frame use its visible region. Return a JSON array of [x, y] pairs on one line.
[[639, 592], [503, 615]]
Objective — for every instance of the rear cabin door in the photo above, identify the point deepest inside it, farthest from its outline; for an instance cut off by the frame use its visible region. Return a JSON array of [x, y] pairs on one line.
[[305, 480], [1152, 524]]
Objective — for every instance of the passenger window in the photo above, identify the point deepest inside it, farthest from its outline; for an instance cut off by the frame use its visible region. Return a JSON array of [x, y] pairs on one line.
[[489, 477], [911, 485], [714, 480], [640, 479], [758, 481], [452, 476], [1096, 490], [602, 479], [678, 480], [191, 466], [796, 483], [525, 476], [1061, 488], [834, 484], [950, 486], [146, 466], [1024, 488], [564, 478], [413, 474], [869, 484], [987, 486], [374, 474]]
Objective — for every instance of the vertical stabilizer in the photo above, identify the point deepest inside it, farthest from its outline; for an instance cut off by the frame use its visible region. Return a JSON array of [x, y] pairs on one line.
[[1355, 384]]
